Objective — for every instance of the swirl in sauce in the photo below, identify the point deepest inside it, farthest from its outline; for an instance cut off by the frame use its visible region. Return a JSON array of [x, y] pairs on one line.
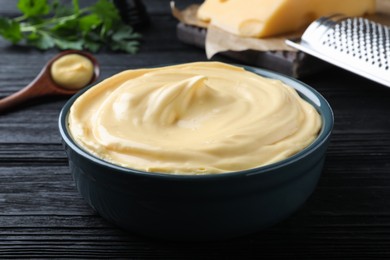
[[195, 118]]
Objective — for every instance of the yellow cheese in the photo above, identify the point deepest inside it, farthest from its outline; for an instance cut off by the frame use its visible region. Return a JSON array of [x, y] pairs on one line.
[[264, 18]]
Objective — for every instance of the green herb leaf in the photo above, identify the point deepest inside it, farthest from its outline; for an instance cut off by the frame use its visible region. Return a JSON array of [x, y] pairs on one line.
[[32, 8], [92, 45], [124, 33], [46, 24], [108, 14], [123, 40], [89, 23], [69, 44], [129, 47], [66, 27], [10, 30], [42, 41], [60, 10]]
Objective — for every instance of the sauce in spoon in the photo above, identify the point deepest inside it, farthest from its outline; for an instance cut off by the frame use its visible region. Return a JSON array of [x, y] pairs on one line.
[[64, 75]]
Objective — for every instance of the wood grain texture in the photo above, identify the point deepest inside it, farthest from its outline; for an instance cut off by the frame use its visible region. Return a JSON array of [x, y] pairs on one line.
[[43, 216]]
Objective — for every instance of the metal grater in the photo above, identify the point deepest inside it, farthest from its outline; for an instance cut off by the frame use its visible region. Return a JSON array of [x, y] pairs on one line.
[[353, 43]]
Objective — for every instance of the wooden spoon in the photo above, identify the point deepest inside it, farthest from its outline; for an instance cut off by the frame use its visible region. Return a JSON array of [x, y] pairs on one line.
[[44, 85]]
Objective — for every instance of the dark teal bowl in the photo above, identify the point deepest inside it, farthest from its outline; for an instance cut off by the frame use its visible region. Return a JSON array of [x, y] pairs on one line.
[[203, 207]]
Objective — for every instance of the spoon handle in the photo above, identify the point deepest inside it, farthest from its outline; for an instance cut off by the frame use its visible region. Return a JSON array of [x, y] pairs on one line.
[[36, 88], [44, 85]]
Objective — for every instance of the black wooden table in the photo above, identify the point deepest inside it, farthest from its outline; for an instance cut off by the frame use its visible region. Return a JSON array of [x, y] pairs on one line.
[[42, 214]]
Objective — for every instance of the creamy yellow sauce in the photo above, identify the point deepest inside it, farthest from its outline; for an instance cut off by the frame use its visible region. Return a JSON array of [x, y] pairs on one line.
[[72, 71], [195, 118]]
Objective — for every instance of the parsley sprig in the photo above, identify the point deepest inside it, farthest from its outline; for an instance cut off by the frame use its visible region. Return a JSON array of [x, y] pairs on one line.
[[48, 24]]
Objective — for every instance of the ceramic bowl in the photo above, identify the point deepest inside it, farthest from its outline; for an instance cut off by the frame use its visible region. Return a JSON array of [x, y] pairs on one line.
[[205, 207]]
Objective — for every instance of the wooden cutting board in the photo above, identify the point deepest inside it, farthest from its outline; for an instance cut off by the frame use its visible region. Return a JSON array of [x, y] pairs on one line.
[[295, 64]]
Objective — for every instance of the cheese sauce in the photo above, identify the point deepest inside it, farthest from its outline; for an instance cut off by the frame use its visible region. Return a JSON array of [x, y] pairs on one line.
[[195, 118], [72, 71]]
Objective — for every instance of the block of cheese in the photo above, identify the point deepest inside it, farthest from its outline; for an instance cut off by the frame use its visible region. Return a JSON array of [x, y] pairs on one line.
[[264, 18]]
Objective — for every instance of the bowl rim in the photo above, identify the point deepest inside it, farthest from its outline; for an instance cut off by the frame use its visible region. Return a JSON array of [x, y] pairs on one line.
[[305, 91]]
